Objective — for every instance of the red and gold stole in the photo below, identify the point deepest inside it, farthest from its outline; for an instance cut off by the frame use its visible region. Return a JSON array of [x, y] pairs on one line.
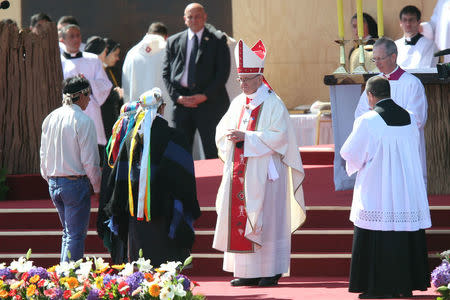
[[237, 242]]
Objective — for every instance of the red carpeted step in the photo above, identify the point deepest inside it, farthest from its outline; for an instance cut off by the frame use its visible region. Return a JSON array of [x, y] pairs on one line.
[[26, 186], [317, 155]]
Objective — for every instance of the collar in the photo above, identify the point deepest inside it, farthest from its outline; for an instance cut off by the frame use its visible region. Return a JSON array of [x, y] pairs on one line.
[[198, 34], [72, 55], [396, 74], [382, 100], [258, 97], [412, 41]]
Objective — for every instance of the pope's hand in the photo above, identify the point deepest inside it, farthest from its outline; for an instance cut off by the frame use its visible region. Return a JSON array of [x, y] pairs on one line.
[[235, 135]]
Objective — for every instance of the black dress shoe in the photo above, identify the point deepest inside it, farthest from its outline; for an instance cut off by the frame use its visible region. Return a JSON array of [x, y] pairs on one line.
[[269, 281], [245, 281]]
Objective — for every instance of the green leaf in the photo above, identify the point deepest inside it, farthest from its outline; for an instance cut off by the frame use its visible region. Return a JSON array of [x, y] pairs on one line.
[[442, 289], [188, 261], [141, 253], [69, 255], [28, 254]]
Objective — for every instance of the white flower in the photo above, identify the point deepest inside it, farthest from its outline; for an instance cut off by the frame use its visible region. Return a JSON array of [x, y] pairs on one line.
[[170, 267], [128, 270], [84, 270], [22, 265], [179, 290], [144, 265], [166, 293], [100, 265], [2, 266], [64, 268]]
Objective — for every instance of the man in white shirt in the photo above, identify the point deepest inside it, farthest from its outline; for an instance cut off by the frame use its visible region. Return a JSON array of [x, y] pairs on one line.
[[406, 90], [70, 163], [390, 205], [75, 62], [260, 200], [414, 50], [438, 28]]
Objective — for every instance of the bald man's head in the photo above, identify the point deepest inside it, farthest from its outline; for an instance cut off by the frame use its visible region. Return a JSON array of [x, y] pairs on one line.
[[195, 16]]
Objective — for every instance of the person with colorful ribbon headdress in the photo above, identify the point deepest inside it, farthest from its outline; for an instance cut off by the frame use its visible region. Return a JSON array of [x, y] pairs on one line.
[[70, 164], [260, 200], [105, 225], [154, 200]]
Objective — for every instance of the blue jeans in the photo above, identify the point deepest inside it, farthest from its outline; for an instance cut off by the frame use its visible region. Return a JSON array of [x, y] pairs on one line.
[[72, 199]]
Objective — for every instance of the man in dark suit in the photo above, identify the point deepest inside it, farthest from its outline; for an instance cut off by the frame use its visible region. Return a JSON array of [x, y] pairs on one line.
[[195, 70]]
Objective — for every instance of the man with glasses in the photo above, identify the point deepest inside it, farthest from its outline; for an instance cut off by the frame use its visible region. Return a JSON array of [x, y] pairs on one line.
[[70, 164], [260, 200], [406, 90], [195, 70], [414, 50]]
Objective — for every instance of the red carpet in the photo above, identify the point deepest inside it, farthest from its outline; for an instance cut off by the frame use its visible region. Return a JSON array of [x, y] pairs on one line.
[[310, 288]]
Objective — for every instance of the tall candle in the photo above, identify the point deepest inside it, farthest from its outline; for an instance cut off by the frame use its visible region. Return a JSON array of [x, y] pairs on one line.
[[380, 18], [359, 18], [340, 14]]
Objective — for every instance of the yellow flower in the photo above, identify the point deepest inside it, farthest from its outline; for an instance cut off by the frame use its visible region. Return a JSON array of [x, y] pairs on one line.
[[30, 290], [154, 290], [99, 282], [35, 278], [77, 295], [4, 294], [16, 284], [1, 282], [118, 267], [51, 269], [72, 282]]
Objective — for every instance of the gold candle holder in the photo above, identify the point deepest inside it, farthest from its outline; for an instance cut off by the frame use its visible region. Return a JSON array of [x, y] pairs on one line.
[[341, 69], [362, 59]]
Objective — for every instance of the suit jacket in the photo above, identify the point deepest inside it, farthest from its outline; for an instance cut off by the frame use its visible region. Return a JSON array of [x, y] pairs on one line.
[[211, 73]]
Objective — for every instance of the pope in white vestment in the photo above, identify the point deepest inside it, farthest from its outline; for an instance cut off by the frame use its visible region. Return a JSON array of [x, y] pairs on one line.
[[271, 182]]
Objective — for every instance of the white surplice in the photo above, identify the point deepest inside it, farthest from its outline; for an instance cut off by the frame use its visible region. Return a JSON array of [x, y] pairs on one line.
[[92, 68], [409, 93], [389, 192], [438, 28], [275, 207], [416, 56], [142, 71]]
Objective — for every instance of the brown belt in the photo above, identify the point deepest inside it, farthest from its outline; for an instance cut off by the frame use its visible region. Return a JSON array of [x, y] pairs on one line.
[[73, 177]]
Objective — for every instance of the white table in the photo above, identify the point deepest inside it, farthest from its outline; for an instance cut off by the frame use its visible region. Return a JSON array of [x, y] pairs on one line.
[[305, 129]]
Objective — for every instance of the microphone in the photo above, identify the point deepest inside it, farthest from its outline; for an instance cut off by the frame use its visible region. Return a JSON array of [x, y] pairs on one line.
[[4, 5], [442, 52]]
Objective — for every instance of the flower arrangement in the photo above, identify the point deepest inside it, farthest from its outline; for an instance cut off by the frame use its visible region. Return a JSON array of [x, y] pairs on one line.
[[440, 277], [94, 279]]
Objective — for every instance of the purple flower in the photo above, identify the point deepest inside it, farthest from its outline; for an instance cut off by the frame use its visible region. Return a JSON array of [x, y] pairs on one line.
[[186, 282], [58, 294], [108, 277], [93, 295], [441, 275], [43, 274], [7, 273], [135, 280]]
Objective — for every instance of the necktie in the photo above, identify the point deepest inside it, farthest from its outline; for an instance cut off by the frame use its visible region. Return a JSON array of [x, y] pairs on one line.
[[191, 67]]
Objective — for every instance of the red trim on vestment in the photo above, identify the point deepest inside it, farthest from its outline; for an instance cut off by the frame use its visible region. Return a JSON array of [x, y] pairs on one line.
[[238, 215], [397, 74]]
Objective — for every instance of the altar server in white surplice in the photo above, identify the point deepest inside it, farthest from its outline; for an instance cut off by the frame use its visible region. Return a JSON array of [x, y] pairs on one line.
[[390, 205], [76, 62], [406, 90], [414, 50], [260, 200], [438, 28]]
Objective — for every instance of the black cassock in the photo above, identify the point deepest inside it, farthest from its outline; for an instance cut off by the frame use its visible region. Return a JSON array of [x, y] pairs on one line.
[[169, 235]]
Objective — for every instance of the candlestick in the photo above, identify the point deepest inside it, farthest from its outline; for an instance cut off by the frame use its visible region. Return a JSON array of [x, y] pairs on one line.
[[340, 14], [380, 18], [341, 69], [362, 59], [359, 18]]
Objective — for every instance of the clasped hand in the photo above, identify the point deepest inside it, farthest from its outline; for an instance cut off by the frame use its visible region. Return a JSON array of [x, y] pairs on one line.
[[235, 135], [191, 101]]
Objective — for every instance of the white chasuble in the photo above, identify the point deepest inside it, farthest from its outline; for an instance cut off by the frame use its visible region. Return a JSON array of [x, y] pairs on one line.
[[409, 93], [389, 192], [275, 207]]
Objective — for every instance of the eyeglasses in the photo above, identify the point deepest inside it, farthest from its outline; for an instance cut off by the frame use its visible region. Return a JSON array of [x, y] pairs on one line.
[[376, 59], [244, 80]]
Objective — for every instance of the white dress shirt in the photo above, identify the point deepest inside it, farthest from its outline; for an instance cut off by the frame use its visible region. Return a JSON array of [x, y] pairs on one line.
[[190, 43], [69, 145]]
